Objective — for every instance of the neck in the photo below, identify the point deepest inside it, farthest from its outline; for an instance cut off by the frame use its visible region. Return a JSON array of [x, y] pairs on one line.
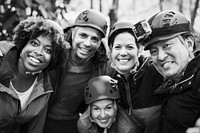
[[22, 82], [78, 61]]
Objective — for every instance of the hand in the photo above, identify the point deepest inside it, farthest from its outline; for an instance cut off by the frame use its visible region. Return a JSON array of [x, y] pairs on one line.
[[195, 129]]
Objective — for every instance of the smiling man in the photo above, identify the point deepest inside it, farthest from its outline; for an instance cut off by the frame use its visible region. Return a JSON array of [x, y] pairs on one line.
[[87, 58], [171, 46]]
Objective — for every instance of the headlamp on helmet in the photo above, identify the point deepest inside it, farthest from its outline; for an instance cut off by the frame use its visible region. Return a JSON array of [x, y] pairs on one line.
[[142, 30]]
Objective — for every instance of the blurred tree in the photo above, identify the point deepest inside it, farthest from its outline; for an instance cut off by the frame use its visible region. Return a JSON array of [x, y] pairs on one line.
[[180, 3], [13, 11], [113, 12], [194, 13]]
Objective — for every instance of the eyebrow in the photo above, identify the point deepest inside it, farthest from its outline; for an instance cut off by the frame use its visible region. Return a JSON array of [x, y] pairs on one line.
[[37, 40]]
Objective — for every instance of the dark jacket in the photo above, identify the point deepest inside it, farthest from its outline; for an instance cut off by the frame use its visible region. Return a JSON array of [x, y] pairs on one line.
[[77, 104], [137, 95], [181, 107], [12, 118], [122, 124]]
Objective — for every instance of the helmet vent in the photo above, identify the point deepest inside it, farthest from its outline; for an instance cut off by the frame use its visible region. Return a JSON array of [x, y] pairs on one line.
[[84, 16], [167, 20], [87, 92]]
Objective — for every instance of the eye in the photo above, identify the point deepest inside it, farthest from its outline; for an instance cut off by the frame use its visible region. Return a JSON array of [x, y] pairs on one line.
[[117, 47], [109, 107], [130, 47], [34, 43], [167, 45], [153, 52], [83, 35], [95, 108], [48, 50], [95, 39]]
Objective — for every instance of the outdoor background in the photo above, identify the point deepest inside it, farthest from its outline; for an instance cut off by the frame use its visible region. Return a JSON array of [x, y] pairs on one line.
[[65, 11]]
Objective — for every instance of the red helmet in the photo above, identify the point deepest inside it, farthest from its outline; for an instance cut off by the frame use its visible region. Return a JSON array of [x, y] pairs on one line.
[[92, 18], [165, 25], [101, 87]]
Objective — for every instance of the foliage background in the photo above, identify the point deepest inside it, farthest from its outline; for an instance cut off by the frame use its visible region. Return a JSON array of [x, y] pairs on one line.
[[65, 11]]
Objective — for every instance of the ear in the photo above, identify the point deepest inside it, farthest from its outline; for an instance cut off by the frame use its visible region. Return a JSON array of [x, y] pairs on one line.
[[190, 43], [140, 50], [74, 30]]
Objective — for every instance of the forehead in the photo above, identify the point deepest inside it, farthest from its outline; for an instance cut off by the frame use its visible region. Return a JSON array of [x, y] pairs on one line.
[[46, 40], [162, 42], [88, 30], [125, 36], [102, 103]]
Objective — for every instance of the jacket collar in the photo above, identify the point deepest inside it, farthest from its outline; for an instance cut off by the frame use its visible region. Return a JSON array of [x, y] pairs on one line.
[[8, 65], [144, 62], [185, 82]]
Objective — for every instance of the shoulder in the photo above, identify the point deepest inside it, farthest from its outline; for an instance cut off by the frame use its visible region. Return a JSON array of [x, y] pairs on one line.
[[5, 46], [123, 117], [124, 122], [84, 120]]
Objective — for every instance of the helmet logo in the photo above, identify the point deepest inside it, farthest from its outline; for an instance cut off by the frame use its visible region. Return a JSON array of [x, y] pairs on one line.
[[83, 16], [167, 20]]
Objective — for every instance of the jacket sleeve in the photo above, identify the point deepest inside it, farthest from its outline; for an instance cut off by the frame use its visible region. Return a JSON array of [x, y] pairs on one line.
[[81, 127], [84, 122]]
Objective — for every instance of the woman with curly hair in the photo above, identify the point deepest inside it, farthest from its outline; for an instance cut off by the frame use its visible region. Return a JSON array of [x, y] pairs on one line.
[[87, 58], [24, 80]]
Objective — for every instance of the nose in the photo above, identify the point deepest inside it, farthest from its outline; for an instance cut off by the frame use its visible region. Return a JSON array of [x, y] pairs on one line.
[[123, 52], [161, 54], [103, 113], [87, 42], [39, 51]]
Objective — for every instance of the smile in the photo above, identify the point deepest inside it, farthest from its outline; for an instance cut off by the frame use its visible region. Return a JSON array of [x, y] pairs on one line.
[[166, 64], [103, 120], [84, 49], [34, 60], [123, 61]]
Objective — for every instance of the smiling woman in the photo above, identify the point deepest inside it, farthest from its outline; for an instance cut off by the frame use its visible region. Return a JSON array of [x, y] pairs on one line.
[[24, 80], [137, 78], [103, 114]]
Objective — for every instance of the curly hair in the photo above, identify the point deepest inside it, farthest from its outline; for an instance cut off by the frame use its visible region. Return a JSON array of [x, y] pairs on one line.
[[33, 27]]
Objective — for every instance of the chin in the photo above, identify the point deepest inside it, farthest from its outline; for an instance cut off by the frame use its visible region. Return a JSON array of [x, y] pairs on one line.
[[103, 125]]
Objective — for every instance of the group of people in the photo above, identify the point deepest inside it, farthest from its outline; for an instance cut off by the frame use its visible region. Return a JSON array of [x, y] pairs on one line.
[[55, 80]]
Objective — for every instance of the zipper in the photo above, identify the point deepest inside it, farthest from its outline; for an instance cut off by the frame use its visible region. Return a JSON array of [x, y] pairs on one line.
[[128, 94]]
